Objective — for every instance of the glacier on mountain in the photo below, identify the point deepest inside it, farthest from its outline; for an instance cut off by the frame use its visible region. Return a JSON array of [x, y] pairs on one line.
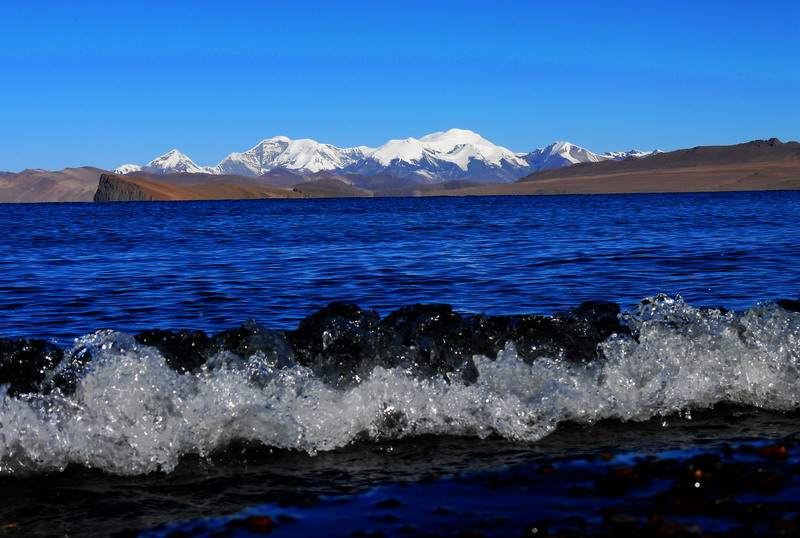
[[173, 161], [448, 155], [281, 152]]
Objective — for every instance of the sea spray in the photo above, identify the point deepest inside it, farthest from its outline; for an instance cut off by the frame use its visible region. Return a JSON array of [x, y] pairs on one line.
[[116, 404]]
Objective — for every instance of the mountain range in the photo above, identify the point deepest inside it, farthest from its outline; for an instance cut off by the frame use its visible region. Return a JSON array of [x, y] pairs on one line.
[[752, 166], [456, 154]]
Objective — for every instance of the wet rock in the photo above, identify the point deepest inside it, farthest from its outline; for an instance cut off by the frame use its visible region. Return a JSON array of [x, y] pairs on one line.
[[100, 346], [341, 342], [788, 304], [775, 452], [603, 316], [588, 325], [184, 351], [250, 339], [339, 328], [539, 336], [442, 340], [573, 335], [488, 334], [25, 363]]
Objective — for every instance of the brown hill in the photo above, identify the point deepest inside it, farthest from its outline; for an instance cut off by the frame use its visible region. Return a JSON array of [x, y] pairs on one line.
[[280, 177], [274, 178], [755, 152], [757, 165], [113, 188], [67, 185]]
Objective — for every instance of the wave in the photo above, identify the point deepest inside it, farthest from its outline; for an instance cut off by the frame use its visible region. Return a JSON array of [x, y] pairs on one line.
[[131, 405]]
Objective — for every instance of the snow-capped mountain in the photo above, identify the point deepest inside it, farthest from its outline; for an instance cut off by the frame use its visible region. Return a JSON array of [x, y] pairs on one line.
[[280, 152], [620, 155], [173, 161], [448, 155], [453, 154], [559, 154], [127, 169]]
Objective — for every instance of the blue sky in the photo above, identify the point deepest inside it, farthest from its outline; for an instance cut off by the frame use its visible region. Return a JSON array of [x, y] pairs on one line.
[[106, 83]]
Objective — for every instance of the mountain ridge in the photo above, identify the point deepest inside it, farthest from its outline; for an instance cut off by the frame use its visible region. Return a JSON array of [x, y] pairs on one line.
[[434, 158], [755, 151], [756, 165], [112, 188], [752, 166], [35, 185]]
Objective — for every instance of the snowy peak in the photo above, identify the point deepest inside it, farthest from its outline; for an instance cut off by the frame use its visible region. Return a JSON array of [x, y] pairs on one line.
[[560, 154], [409, 150], [461, 145], [127, 169], [574, 154], [557, 155], [446, 155], [446, 150], [620, 155], [446, 141], [172, 161], [281, 152]]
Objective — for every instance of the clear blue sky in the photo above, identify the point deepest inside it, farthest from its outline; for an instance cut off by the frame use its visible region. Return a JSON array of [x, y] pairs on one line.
[[105, 83]]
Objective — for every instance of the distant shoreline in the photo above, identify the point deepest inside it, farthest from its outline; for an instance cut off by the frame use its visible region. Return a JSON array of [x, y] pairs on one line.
[[760, 165], [762, 177]]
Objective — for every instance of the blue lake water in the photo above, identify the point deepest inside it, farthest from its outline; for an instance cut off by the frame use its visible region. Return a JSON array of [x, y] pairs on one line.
[[114, 435], [68, 269]]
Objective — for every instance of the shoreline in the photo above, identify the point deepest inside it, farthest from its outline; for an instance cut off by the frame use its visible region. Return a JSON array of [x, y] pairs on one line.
[[437, 195], [758, 165], [738, 488], [486, 485]]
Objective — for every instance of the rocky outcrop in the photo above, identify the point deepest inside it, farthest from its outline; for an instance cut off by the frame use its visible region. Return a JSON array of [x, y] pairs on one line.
[[772, 142], [116, 189], [341, 344]]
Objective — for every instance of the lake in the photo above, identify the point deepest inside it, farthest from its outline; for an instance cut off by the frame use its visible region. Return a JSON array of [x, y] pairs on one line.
[[122, 431]]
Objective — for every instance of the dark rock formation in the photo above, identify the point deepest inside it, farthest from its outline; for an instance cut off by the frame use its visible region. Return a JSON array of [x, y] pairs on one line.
[[788, 304], [441, 338], [340, 343], [25, 363], [115, 189], [184, 351], [343, 341], [772, 142], [252, 338]]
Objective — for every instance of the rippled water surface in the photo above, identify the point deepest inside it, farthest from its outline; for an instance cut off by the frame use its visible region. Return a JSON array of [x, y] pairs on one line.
[[79, 456], [68, 269]]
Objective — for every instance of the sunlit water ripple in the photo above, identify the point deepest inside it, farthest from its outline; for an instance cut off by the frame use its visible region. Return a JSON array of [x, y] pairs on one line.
[[69, 269], [273, 424]]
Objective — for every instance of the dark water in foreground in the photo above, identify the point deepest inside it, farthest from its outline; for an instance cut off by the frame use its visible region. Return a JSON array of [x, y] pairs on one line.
[[115, 434]]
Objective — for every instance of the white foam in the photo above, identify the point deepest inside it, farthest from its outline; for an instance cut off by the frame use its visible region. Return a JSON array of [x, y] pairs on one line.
[[131, 414]]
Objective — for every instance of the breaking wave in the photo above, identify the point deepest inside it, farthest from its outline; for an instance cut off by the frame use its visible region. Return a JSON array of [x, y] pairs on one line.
[[131, 405]]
